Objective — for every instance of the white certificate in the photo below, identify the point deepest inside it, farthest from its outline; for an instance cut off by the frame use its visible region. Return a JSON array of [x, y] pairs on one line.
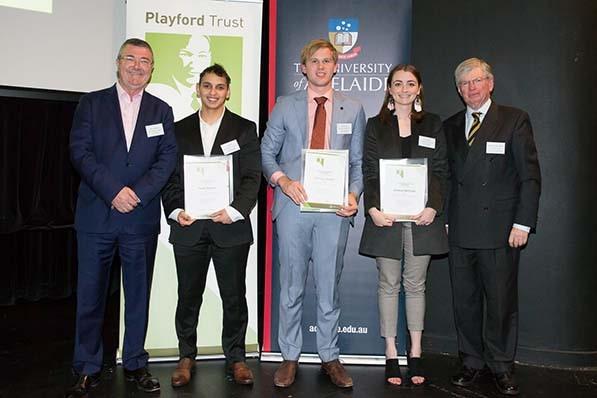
[[325, 179], [402, 187], [208, 184]]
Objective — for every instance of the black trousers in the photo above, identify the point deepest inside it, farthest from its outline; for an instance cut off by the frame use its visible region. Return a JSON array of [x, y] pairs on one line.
[[192, 264], [485, 299]]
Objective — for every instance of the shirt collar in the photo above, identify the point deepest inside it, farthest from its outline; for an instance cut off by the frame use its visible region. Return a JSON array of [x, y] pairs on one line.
[[311, 95], [483, 109], [124, 95], [217, 122]]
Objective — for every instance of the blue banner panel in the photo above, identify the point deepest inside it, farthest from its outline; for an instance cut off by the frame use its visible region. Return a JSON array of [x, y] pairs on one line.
[[370, 38]]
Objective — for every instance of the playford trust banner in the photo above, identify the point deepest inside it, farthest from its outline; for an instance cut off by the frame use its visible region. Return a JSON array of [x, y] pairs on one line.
[[186, 37], [370, 37]]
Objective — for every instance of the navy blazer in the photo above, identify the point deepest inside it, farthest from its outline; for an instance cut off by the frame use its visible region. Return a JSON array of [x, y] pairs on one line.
[[99, 154], [490, 192]]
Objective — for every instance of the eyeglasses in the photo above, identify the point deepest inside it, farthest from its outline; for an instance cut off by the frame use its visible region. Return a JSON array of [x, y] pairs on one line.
[[130, 59], [473, 82]]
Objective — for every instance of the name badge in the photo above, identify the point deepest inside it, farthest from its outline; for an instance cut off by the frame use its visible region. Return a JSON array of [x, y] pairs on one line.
[[496, 148], [154, 130], [230, 147], [344, 128], [427, 142]]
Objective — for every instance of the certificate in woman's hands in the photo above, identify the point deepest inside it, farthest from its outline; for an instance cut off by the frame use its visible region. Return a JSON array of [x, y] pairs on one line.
[[325, 179], [402, 187], [208, 184]]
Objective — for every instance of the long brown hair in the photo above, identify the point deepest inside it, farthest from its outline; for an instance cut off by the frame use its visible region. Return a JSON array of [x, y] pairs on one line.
[[386, 115]]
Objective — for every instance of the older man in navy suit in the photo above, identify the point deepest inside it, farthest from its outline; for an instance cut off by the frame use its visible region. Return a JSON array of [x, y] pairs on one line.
[[123, 146], [318, 118], [493, 205]]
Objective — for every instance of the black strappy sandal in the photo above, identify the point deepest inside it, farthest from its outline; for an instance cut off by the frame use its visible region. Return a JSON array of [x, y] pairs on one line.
[[415, 369], [393, 371]]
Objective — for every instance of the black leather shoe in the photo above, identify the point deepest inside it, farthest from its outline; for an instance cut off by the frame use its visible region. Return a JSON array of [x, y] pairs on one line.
[[83, 384], [144, 380], [466, 377], [506, 383]]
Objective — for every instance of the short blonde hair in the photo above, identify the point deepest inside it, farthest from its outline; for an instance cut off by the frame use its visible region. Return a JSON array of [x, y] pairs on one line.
[[469, 64], [314, 45]]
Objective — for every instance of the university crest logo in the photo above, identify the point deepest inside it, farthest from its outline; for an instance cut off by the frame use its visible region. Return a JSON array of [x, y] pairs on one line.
[[343, 34]]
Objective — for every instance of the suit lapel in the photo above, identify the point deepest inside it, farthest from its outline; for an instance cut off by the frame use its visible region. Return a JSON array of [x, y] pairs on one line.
[[117, 115], [141, 123], [194, 135], [223, 135], [390, 140], [300, 112], [460, 144], [485, 133]]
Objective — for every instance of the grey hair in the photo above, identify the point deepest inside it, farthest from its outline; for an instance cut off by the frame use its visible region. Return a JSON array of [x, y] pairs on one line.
[[469, 64]]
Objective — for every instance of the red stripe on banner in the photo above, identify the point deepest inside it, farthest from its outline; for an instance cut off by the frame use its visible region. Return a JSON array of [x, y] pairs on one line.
[[271, 100]]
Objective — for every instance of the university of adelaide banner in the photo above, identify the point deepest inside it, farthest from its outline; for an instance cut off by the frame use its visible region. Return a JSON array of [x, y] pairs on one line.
[[371, 37], [186, 37]]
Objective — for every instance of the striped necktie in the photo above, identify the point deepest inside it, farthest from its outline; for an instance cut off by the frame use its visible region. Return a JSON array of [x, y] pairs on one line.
[[474, 127]]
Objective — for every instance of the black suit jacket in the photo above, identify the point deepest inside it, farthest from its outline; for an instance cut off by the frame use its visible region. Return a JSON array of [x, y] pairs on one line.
[[246, 176], [382, 141], [491, 192]]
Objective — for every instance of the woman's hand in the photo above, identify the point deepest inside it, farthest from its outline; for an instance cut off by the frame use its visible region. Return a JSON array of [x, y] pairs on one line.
[[380, 219], [425, 217]]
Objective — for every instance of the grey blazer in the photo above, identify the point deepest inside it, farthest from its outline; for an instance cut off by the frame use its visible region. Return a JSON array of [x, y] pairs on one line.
[[382, 141], [287, 135]]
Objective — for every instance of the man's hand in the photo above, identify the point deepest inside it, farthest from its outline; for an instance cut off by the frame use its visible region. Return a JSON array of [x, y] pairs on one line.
[[221, 216], [184, 219], [125, 201], [380, 219], [425, 217], [293, 189], [518, 237], [351, 208]]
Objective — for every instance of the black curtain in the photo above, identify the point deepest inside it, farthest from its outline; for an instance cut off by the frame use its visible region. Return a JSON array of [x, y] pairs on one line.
[[38, 188]]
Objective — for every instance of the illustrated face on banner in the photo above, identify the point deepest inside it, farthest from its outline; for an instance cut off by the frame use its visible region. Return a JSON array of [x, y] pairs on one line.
[[404, 87], [213, 91], [320, 69], [195, 57], [134, 68]]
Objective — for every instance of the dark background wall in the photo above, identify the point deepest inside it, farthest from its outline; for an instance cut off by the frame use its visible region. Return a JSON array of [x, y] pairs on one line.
[[543, 56]]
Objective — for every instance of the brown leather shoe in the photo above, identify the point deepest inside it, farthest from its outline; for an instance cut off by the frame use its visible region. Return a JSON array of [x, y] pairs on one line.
[[242, 373], [182, 374], [285, 374], [337, 373]]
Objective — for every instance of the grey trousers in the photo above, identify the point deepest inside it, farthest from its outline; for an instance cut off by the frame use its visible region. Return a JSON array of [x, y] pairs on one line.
[[413, 279]]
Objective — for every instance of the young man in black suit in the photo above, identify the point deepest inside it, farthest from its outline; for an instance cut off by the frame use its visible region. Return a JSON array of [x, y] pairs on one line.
[[225, 237], [493, 202]]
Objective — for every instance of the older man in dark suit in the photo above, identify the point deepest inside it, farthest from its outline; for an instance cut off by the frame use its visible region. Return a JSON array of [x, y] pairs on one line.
[[495, 188], [225, 237], [122, 144]]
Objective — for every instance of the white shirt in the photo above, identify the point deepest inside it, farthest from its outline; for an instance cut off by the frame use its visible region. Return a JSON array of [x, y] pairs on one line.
[[208, 136]]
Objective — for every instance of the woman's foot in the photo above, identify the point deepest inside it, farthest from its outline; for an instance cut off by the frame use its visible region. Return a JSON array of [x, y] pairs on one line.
[[416, 373], [393, 375]]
